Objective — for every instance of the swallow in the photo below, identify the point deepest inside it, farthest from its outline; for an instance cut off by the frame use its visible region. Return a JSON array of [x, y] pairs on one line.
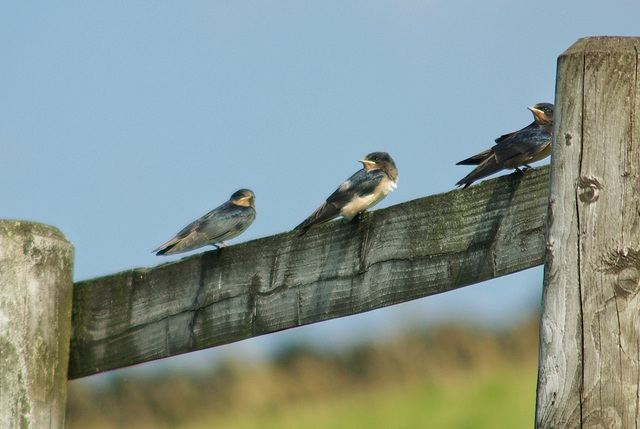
[[515, 149], [366, 188], [224, 222]]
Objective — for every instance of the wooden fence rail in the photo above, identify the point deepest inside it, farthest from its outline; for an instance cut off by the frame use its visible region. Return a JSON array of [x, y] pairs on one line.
[[589, 371], [408, 251]]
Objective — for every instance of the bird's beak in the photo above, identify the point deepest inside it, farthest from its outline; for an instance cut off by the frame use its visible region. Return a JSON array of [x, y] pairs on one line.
[[539, 114], [367, 163]]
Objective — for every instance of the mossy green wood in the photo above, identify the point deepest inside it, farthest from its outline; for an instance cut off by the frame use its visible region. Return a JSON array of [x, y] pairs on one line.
[[36, 278], [408, 251]]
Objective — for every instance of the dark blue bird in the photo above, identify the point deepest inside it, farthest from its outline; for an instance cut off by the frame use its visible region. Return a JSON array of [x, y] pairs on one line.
[[364, 189], [515, 149], [224, 222]]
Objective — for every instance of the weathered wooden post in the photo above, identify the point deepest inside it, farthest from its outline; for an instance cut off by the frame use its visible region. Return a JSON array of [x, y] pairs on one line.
[[589, 371], [36, 265]]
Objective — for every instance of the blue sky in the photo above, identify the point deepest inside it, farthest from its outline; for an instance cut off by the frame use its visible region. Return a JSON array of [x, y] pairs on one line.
[[121, 122]]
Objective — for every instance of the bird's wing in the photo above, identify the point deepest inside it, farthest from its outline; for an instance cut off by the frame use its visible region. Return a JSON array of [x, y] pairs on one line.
[[324, 213], [362, 183], [476, 159], [484, 169], [505, 136], [226, 221], [167, 247], [515, 149]]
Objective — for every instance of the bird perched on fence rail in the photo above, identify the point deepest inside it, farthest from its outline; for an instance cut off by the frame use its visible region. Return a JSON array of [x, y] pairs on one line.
[[366, 188], [515, 149], [224, 222]]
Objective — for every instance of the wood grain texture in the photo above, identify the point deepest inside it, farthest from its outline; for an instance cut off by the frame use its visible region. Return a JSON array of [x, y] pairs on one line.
[[36, 279], [415, 249], [589, 352]]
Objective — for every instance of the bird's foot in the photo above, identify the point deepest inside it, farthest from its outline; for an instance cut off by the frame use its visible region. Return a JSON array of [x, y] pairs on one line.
[[221, 245]]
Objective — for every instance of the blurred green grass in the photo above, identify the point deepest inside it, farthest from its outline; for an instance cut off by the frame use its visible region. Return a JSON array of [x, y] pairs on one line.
[[499, 398], [447, 377]]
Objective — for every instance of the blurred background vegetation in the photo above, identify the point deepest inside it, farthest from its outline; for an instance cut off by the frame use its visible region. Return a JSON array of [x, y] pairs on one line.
[[456, 376]]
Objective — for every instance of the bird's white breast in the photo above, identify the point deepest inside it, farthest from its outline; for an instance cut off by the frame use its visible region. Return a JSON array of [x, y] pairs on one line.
[[358, 204]]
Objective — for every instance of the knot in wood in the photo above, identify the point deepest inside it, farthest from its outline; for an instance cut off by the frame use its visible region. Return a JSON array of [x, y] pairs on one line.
[[567, 139], [628, 282], [588, 189], [625, 265]]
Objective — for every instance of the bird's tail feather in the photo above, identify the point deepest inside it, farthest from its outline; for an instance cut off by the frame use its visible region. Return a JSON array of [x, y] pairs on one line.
[[324, 213], [476, 159], [487, 168]]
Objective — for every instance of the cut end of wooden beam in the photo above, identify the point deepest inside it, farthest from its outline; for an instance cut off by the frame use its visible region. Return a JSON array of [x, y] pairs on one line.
[[603, 44]]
